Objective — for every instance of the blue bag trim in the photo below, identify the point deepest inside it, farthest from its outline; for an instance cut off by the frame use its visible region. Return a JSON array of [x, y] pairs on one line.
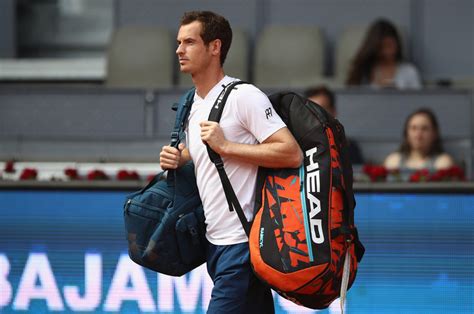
[[305, 214]]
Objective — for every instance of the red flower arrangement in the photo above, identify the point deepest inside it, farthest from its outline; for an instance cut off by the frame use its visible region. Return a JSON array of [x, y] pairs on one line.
[[422, 175], [97, 175], [71, 173], [28, 174], [454, 173], [9, 167], [127, 175], [375, 172]]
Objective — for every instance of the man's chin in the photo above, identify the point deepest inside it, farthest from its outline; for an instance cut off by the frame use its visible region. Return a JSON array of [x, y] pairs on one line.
[[184, 69]]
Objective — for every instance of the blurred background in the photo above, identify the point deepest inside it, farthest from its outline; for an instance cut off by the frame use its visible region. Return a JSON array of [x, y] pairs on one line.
[[86, 89]]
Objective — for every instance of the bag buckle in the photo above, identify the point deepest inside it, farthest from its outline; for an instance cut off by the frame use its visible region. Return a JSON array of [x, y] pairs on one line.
[[219, 163], [194, 235], [174, 138]]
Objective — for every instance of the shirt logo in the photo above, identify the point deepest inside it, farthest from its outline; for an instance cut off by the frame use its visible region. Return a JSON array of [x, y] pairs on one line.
[[268, 112]]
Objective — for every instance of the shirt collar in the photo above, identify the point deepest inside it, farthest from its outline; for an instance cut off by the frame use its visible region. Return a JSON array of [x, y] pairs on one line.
[[216, 90]]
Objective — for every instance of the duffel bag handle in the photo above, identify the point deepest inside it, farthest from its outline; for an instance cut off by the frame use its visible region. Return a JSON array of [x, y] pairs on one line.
[[153, 181]]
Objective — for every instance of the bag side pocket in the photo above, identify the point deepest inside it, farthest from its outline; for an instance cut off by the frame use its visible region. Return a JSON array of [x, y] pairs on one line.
[[190, 237]]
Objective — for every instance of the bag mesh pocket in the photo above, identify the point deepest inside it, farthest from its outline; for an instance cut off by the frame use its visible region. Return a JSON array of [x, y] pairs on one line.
[[141, 221]]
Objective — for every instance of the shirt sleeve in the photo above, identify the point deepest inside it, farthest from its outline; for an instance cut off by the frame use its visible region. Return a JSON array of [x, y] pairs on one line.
[[256, 113]]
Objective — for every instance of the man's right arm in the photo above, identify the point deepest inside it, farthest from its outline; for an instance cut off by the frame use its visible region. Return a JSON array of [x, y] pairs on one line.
[[172, 158]]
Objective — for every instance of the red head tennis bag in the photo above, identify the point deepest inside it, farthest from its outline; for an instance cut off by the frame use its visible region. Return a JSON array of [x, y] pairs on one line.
[[303, 241]]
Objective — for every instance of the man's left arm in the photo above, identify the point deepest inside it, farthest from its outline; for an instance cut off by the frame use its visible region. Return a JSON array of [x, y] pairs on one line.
[[279, 150]]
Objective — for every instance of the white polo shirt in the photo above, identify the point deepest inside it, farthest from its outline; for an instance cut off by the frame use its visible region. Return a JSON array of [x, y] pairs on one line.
[[248, 118]]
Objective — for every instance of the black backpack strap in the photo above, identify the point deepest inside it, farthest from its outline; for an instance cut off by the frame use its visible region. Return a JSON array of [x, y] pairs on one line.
[[215, 115]]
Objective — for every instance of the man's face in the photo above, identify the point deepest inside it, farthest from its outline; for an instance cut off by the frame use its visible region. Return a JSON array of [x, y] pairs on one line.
[[193, 54]]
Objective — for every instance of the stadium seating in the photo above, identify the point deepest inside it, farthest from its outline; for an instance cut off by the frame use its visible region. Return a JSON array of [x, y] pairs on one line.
[[140, 57], [346, 48], [289, 56]]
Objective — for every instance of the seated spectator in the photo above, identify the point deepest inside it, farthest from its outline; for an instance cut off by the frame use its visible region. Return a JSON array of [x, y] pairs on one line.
[[379, 61], [421, 147], [326, 99]]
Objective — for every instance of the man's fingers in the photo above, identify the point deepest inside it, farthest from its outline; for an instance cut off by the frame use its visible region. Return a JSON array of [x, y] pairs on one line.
[[205, 134], [170, 149], [165, 157], [169, 154], [208, 124], [169, 157], [169, 165]]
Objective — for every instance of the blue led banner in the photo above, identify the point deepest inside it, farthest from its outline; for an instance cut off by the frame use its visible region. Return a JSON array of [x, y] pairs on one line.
[[65, 251]]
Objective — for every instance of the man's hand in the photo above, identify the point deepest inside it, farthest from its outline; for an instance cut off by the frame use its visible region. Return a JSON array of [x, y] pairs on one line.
[[170, 157], [211, 133]]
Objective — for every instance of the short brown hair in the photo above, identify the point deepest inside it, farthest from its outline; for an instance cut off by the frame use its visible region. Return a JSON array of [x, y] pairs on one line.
[[214, 26], [322, 90]]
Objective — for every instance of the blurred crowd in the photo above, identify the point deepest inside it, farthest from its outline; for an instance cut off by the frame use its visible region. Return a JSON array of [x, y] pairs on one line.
[[380, 63]]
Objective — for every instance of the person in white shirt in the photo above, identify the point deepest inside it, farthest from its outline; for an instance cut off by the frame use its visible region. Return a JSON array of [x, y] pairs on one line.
[[379, 63], [250, 134]]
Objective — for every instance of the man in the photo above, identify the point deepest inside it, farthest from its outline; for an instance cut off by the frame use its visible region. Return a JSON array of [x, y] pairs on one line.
[[324, 97], [250, 134]]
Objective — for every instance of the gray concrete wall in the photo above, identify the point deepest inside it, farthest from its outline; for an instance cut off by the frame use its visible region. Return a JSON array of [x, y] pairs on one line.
[[7, 29], [132, 125], [241, 14], [446, 45]]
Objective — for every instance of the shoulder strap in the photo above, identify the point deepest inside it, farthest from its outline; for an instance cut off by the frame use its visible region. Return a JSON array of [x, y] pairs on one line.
[[182, 112], [215, 115]]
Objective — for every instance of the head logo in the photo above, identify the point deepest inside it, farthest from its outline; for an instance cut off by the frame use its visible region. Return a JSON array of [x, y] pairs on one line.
[[313, 188]]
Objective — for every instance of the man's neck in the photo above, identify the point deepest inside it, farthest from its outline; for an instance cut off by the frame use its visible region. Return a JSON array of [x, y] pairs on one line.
[[206, 80]]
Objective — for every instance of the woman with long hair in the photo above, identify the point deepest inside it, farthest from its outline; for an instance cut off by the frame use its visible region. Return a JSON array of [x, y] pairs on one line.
[[421, 147], [379, 61]]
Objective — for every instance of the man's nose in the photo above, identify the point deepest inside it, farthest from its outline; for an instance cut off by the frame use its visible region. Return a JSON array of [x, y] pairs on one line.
[[179, 50]]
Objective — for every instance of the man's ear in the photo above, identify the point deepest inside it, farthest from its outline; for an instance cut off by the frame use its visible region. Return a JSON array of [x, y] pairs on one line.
[[215, 47]]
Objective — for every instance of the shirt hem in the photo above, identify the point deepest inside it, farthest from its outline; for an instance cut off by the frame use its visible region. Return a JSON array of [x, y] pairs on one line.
[[226, 241]]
